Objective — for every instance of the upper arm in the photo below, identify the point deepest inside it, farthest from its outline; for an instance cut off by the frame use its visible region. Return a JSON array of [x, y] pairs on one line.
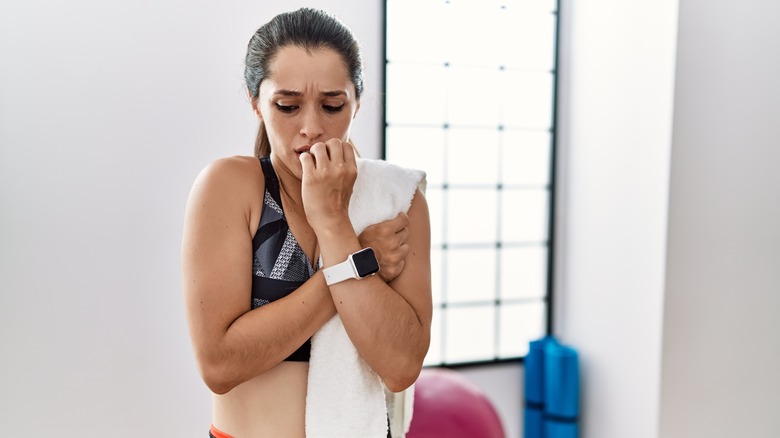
[[414, 282], [217, 250]]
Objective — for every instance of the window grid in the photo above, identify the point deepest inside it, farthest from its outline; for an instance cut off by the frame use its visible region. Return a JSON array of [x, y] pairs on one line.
[[445, 189]]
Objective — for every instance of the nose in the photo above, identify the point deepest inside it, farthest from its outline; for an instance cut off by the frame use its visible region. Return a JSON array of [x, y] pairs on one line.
[[311, 123]]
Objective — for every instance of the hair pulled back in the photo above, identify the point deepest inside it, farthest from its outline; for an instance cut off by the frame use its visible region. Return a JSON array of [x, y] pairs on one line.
[[307, 28]]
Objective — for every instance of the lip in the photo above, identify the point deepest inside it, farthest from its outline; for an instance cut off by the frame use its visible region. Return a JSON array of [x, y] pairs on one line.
[[302, 149]]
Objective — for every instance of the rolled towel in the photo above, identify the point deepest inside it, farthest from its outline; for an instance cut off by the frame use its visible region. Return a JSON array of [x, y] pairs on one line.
[[345, 397]]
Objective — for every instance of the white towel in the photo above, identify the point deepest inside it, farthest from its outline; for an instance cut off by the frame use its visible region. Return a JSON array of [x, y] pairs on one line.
[[345, 397]]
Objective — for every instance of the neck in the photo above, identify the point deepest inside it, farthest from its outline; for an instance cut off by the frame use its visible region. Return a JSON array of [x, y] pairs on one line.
[[289, 185]]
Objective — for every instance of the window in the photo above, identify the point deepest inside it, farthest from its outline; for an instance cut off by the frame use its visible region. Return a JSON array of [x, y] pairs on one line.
[[470, 92]]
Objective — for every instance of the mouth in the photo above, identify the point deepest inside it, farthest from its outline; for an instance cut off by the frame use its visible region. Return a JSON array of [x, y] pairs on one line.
[[302, 150]]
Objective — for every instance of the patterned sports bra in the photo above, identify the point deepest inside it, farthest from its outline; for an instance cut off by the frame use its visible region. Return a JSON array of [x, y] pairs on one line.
[[279, 265]]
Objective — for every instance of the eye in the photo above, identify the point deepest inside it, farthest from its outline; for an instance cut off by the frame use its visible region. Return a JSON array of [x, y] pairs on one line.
[[285, 108], [333, 108]]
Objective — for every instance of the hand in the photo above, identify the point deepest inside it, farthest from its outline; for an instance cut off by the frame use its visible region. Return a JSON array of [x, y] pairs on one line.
[[388, 239], [329, 174]]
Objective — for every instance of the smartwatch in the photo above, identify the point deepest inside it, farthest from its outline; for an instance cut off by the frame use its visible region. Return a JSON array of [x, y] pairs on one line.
[[358, 265]]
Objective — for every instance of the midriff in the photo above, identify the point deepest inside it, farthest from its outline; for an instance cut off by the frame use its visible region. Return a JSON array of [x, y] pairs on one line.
[[269, 405]]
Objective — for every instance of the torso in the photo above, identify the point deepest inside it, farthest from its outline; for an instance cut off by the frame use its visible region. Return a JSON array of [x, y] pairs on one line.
[[280, 265], [273, 403]]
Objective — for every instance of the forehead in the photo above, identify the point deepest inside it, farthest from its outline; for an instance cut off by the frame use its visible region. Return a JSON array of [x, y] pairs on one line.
[[295, 68]]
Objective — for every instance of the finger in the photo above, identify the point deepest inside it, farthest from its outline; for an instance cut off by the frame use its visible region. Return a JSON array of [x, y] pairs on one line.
[[349, 154], [320, 152], [388, 273], [307, 163], [403, 235], [383, 229], [403, 251], [399, 268], [400, 222], [335, 150]]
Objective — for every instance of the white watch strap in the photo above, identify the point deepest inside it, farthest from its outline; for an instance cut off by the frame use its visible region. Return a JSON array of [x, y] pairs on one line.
[[340, 272]]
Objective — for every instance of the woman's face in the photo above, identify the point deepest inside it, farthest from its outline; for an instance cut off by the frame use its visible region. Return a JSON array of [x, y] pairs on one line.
[[306, 98]]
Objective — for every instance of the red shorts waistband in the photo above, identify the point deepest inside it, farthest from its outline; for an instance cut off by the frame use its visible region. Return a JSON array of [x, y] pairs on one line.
[[218, 433]]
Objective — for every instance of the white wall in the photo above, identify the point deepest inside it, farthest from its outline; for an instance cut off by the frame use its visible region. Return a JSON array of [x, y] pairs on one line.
[[502, 384], [678, 332], [108, 110], [615, 108], [721, 351]]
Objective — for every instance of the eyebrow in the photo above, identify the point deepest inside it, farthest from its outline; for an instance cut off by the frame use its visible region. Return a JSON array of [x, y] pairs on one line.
[[294, 93]]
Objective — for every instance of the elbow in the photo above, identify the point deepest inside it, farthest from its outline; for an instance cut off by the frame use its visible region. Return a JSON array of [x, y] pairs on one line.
[[403, 378], [218, 386], [400, 383], [216, 378]]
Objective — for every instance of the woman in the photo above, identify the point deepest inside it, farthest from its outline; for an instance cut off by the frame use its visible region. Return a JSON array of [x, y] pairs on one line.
[[255, 228]]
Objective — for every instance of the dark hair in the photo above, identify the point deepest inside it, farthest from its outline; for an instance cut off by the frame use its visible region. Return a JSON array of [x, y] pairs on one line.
[[310, 29]]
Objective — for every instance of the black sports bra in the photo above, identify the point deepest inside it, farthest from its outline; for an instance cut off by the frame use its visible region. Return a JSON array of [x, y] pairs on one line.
[[279, 264]]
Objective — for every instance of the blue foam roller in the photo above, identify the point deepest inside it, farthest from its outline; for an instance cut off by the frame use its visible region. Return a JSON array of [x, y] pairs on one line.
[[561, 381], [555, 429], [533, 423], [534, 370]]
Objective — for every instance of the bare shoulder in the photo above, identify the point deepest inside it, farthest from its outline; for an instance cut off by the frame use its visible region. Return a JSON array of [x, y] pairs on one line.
[[235, 170], [229, 183]]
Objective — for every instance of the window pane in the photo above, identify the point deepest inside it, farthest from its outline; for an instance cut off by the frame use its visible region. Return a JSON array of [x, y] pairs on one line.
[[471, 275], [471, 215], [519, 324], [473, 33], [418, 95], [528, 37], [525, 157], [415, 36], [531, 7], [524, 216], [528, 99], [474, 96], [472, 156], [523, 272], [469, 333], [418, 148]]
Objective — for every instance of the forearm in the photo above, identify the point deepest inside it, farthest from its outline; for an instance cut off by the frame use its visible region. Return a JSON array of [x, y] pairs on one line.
[[385, 329], [261, 338]]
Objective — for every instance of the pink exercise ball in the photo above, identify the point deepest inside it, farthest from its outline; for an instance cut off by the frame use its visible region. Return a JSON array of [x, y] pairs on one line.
[[446, 405]]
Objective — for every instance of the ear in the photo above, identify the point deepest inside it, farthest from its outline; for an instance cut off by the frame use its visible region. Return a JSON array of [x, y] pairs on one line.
[[357, 108], [254, 105]]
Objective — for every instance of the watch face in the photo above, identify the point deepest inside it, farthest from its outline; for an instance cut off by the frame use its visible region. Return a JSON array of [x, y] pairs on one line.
[[365, 262]]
